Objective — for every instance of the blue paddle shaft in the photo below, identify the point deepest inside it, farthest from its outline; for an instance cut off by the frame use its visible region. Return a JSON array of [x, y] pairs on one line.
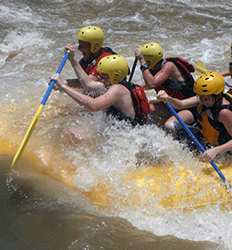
[[200, 147], [53, 82]]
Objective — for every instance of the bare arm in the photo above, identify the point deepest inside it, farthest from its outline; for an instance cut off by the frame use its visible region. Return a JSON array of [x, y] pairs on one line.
[[86, 81], [93, 104], [157, 80], [160, 77], [75, 82], [177, 103]]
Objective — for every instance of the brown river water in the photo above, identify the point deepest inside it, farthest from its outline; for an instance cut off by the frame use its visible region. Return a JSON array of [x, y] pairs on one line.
[[53, 206]]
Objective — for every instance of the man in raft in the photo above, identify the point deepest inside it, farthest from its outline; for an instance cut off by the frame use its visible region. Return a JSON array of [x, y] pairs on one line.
[[170, 74], [212, 112], [90, 40], [121, 99]]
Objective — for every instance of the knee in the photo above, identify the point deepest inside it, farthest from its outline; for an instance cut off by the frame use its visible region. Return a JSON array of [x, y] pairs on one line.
[[172, 126]]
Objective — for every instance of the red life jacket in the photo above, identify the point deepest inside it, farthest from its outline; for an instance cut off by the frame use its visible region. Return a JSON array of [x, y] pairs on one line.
[[140, 101], [174, 88], [184, 67], [90, 65]]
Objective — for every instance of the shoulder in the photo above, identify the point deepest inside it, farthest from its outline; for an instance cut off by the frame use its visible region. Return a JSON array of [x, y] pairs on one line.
[[195, 100], [118, 88], [168, 66], [225, 115]]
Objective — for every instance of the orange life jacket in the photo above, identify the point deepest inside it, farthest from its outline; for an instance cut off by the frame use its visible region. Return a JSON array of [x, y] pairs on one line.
[[211, 129]]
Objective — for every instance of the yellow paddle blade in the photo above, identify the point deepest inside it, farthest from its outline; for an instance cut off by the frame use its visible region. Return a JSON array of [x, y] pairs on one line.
[[200, 67], [27, 135]]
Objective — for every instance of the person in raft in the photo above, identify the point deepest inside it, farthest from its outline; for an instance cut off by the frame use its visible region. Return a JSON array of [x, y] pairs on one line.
[[90, 40], [170, 74], [121, 99], [213, 113]]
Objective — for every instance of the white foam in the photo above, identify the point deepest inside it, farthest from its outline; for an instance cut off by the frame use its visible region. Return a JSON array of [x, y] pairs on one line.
[[120, 148], [20, 40], [116, 154], [15, 14], [85, 179], [210, 224], [211, 51]]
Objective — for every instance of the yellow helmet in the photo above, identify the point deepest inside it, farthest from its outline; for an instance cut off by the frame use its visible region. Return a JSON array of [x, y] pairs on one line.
[[152, 53], [209, 83], [93, 35], [115, 66]]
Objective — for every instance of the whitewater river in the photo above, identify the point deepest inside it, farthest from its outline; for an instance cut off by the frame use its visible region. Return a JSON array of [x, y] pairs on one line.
[[52, 199]]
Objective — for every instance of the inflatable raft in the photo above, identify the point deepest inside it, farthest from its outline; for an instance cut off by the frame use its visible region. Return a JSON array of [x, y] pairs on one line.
[[161, 186], [164, 186]]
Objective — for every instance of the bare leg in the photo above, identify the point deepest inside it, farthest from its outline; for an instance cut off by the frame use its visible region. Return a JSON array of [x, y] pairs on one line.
[[186, 115], [159, 113]]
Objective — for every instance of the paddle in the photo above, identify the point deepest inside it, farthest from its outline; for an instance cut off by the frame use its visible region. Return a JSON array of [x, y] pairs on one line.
[[133, 68], [39, 110], [200, 67], [200, 147]]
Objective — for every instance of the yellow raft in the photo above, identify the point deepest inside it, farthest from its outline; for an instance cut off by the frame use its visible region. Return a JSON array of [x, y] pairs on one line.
[[165, 186], [160, 186]]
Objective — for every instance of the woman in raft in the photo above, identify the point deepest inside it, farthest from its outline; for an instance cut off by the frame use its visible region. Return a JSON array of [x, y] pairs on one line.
[[211, 109]]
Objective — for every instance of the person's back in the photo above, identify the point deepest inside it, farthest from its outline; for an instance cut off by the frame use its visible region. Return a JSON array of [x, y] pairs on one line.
[[123, 108], [170, 74]]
